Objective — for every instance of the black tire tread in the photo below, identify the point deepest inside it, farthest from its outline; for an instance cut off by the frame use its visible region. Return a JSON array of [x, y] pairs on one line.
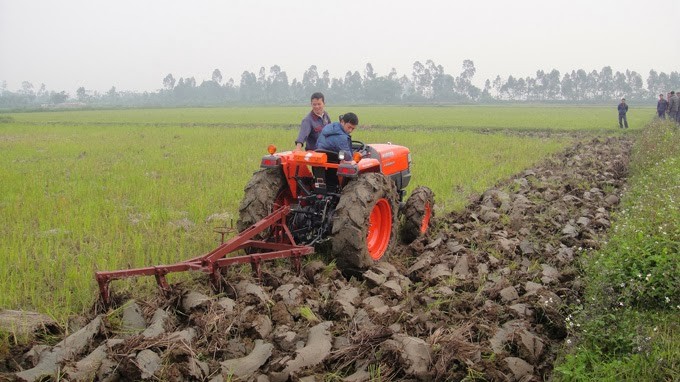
[[414, 212], [350, 223]]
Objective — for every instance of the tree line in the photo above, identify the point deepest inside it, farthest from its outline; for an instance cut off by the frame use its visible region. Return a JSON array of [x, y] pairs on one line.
[[428, 83]]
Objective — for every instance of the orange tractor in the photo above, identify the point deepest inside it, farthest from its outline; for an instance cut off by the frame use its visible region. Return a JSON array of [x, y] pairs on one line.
[[300, 199]]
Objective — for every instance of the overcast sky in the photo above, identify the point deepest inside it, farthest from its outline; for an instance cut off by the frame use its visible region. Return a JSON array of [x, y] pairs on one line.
[[134, 44]]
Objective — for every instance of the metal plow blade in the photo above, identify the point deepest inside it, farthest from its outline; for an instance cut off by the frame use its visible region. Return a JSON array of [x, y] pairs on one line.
[[280, 245]]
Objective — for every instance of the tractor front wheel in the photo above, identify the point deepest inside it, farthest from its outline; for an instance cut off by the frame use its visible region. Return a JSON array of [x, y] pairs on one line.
[[365, 222], [417, 214]]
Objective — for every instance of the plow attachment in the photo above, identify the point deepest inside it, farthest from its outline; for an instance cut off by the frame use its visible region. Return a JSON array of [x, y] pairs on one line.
[[279, 245]]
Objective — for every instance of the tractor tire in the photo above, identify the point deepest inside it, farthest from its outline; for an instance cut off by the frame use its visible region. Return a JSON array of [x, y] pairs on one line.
[[365, 224], [266, 188], [417, 214]]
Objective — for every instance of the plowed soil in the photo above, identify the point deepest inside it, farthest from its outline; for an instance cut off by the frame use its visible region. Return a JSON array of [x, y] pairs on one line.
[[484, 296]]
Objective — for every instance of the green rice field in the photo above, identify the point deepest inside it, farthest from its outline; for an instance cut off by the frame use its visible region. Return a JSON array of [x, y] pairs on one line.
[[82, 191]]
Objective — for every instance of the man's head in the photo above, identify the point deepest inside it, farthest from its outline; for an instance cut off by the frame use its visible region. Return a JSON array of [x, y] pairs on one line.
[[660, 96], [672, 92], [318, 103], [623, 100], [349, 122]]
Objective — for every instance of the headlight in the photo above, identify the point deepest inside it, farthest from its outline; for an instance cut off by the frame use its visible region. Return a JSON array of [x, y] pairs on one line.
[[341, 155]]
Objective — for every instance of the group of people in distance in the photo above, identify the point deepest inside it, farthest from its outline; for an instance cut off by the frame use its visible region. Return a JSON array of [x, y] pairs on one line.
[[318, 133], [670, 106]]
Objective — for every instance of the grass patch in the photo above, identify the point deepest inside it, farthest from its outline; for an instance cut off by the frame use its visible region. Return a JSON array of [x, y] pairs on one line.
[[521, 117], [627, 327], [114, 189]]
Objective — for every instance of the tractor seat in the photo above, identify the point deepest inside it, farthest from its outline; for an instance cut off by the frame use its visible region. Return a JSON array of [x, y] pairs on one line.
[[331, 156], [330, 175]]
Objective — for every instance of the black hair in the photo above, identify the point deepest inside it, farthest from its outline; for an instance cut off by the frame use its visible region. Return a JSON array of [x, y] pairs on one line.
[[349, 118], [318, 95]]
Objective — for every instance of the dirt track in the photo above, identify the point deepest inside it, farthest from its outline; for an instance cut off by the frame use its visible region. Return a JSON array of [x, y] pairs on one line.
[[484, 296]]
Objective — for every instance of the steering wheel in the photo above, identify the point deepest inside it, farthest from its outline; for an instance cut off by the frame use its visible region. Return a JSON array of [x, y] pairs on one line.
[[358, 146]]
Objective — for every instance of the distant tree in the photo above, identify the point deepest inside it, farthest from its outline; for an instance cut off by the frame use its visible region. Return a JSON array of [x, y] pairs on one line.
[[27, 88], [552, 85], [310, 80], [249, 89], [567, 88], [369, 74], [81, 93], [336, 91], [190, 82], [112, 93], [497, 84], [353, 86], [486, 92], [422, 80], [217, 76], [653, 83], [393, 76], [57, 98], [408, 90], [581, 82], [673, 81], [605, 83], [297, 92], [169, 82], [278, 90], [621, 87], [324, 82], [42, 91], [382, 90], [464, 84], [592, 85], [636, 84]]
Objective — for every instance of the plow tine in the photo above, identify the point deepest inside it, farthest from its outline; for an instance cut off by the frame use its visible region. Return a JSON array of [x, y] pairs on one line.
[[282, 246]]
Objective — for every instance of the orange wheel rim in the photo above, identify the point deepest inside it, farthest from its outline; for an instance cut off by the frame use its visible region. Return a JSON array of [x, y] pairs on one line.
[[426, 218], [379, 229]]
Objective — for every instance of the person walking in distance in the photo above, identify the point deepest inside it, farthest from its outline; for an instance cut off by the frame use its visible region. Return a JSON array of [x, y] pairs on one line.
[[312, 124], [661, 107], [623, 109], [673, 107]]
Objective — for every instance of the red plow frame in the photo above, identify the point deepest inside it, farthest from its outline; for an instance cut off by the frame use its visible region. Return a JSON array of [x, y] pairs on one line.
[[281, 245]]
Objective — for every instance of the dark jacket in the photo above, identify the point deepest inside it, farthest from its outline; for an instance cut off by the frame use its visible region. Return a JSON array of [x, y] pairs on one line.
[[310, 128], [623, 108], [661, 106], [674, 104], [334, 138]]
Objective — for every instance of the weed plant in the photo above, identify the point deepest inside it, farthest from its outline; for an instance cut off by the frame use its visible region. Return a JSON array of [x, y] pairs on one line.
[[627, 328]]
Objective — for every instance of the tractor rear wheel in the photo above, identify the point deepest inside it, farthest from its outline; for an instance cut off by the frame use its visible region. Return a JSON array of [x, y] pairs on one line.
[[266, 191], [417, 214], [365, 222]]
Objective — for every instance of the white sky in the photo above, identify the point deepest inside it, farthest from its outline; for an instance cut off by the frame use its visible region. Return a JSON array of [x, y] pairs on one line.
[[134, 44]]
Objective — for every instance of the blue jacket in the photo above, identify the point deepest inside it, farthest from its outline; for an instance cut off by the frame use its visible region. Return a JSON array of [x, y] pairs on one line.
[[334, 138], [661, 106], [623, 108]]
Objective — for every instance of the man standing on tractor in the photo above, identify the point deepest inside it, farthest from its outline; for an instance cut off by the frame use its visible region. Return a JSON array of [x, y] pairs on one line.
[[313, 123], [336, 136]]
